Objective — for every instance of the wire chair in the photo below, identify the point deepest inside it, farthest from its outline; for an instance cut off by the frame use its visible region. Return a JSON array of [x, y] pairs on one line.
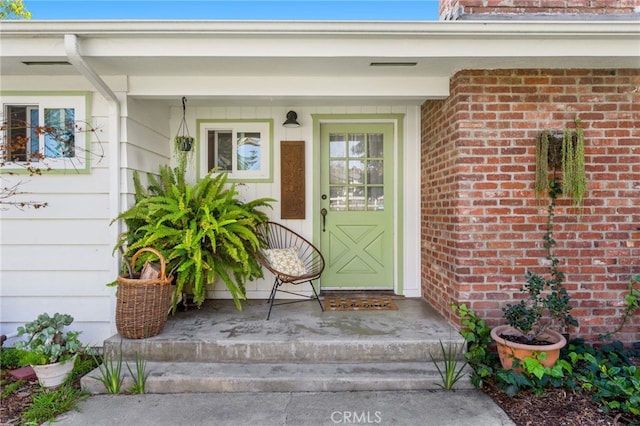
[[279, 237]]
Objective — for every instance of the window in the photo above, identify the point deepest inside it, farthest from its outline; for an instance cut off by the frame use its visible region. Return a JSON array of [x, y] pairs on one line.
[[356, 164], [43, 129], [240, 148]]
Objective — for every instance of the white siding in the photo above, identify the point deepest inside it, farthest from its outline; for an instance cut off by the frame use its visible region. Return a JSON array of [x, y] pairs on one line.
[[58, 259]]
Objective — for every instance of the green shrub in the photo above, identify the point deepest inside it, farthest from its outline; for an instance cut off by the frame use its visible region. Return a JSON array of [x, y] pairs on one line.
[[609, 375], [204, 231], [478, 337], [9, 358]]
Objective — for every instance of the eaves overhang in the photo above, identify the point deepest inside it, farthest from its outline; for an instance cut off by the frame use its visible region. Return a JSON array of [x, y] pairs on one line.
[[309, 58]]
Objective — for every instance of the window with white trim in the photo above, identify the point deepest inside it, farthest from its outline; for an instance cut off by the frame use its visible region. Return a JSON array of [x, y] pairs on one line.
[[44, 130], [240, 148]]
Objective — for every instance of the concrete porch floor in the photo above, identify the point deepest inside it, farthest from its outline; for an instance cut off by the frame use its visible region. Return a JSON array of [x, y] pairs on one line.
[[300, 349], [219, 320]]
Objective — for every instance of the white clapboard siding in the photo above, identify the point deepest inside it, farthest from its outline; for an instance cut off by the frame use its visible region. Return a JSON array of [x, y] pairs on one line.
[[55, 258], [68, 283], [87, 309], [66, 231], [70, 182], [65, 206]]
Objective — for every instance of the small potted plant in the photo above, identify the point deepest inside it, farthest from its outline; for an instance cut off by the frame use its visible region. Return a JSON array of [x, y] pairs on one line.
[[49, 349], [527, 333]]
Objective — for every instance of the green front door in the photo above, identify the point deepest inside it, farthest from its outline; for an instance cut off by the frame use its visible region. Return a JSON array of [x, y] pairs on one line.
[[356, 235]]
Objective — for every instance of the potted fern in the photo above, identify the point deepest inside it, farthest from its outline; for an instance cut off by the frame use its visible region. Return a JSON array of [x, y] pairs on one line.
[[49, 349], [204, 231]]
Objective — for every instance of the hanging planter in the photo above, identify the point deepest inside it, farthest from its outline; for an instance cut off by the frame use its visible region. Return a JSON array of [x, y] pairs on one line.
[[183, 141], [562, 152]]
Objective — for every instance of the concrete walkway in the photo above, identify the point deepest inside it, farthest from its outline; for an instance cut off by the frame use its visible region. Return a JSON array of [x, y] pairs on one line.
[[425, 408]]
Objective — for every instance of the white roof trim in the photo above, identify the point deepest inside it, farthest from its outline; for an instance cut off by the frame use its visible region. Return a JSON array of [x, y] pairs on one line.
[[519, 29]]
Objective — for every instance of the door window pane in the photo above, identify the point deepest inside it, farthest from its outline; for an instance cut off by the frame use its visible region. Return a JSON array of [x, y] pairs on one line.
[[375, 145], [356, 172], [356, 145], [356, 199], [337, 145], [375, 199], [375, 172], [337, 198], [337, 172]]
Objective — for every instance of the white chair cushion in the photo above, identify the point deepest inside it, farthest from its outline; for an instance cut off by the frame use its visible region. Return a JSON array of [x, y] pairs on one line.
[[286, 261]]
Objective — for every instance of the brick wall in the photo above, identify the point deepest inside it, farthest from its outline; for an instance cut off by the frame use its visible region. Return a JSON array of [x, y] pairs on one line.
[[451, 9], [481, 225]]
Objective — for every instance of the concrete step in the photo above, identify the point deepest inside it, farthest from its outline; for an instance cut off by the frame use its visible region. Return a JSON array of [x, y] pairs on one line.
[[196, 377], [218, 349], [267, 351]]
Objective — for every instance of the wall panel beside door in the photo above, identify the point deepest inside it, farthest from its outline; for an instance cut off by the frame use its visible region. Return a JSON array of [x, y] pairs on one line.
[[292, 187]]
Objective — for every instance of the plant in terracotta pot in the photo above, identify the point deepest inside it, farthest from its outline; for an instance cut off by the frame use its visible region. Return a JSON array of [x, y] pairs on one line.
[[49, 349], [527, 333]]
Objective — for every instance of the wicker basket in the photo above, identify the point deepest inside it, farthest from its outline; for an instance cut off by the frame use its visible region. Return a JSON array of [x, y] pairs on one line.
[[142, 306]]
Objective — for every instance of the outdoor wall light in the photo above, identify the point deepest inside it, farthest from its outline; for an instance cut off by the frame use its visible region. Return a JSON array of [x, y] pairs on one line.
[[292, 120]]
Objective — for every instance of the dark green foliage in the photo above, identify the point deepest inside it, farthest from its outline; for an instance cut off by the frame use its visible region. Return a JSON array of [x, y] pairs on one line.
[[547, 299], [534, 376], [204, 231], [478, 337], [609, 375]]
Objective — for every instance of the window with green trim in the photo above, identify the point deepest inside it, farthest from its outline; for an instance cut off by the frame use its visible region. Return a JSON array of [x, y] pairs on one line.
[[42, 131], [242, 149]]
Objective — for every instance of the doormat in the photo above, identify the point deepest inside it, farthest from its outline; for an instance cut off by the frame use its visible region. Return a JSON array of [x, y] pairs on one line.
[[360, 304]]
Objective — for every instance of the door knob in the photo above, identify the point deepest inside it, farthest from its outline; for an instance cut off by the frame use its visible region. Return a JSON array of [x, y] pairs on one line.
[[324, 212]]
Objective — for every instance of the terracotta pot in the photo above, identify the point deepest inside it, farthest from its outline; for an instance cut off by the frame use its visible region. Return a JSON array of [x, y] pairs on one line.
[[508, 351], [52, 375]]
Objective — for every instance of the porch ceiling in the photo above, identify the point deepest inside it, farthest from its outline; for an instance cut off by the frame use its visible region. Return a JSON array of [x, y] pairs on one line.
[[232, 54]]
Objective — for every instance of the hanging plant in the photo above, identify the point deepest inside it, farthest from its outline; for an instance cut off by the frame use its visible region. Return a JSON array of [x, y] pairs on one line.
[[183, 141], [574, 179], [562, 152]]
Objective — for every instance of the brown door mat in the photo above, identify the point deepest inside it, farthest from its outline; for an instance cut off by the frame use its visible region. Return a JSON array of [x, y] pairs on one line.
[[360, 293], [365, 303]]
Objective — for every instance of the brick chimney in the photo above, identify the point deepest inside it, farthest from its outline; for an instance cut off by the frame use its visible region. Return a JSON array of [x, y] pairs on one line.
[[451, 10]]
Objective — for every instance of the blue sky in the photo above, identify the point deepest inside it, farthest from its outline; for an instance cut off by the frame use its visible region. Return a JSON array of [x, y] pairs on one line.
[[235, 9]]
